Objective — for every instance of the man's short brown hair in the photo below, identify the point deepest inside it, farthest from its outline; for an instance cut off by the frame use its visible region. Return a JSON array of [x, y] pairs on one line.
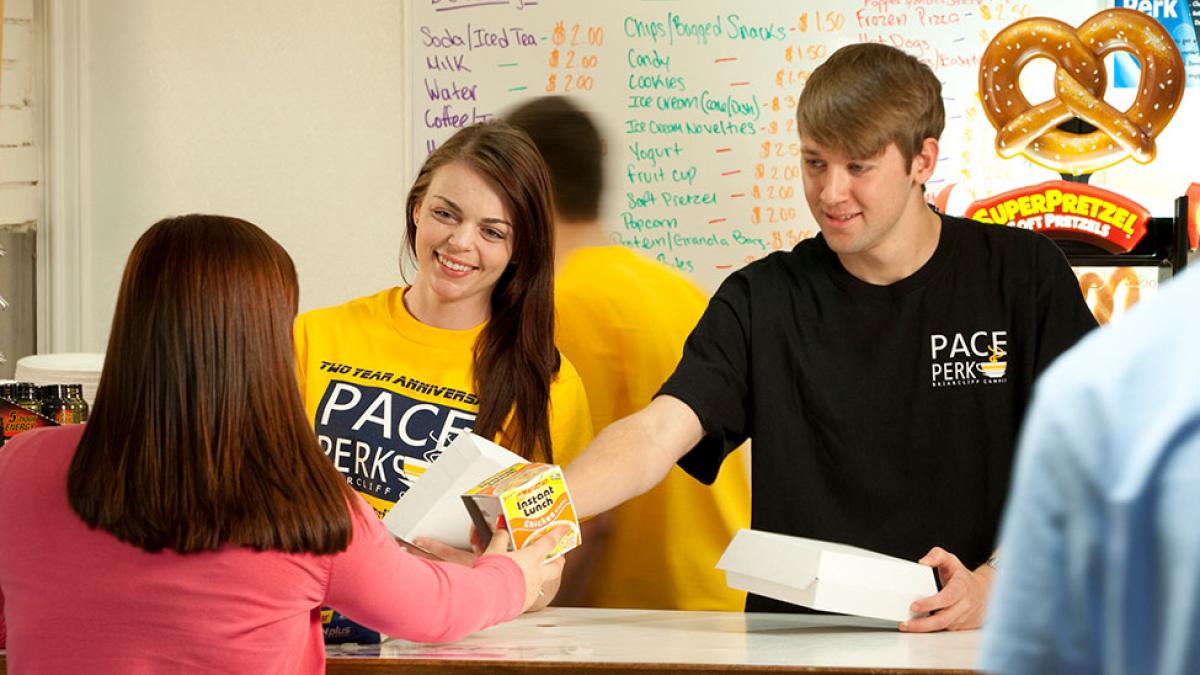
[[866, 96], [571, 145]]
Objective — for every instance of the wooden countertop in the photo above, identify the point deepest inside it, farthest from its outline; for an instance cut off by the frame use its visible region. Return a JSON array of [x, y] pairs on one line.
[[599, 641]]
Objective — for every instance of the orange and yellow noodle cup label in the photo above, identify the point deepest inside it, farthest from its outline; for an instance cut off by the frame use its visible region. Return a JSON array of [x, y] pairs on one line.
[[528, 500]]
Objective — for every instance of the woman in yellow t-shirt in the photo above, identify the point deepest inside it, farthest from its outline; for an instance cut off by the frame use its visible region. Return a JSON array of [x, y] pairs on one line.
[[390, 379]]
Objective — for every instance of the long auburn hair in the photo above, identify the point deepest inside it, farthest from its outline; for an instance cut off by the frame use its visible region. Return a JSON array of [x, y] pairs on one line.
[[198, 437], [515, 358]]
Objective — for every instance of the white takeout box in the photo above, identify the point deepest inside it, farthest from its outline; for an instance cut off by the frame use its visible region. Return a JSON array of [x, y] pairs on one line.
[[433, 506], [825, 576]]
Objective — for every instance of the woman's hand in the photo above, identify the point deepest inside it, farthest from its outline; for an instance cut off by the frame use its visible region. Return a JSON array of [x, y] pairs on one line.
[[436, 550], [532, 561]]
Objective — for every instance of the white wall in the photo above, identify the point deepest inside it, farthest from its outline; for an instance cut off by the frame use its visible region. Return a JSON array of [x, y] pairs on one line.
[[20, 168], [288, 113], [21, 207]]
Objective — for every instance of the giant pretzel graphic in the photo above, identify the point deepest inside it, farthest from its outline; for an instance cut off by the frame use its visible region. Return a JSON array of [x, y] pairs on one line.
[[1106, 291], [1079, 84]]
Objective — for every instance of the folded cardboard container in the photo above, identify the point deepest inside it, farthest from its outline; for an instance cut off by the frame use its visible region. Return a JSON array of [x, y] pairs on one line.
[[826, 576], [433, 506]]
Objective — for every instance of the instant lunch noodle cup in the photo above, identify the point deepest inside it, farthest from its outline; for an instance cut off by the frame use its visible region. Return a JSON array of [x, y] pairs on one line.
[[528, 500]]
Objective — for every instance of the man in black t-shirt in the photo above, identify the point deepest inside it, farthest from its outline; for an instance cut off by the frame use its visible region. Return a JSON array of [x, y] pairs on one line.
[[881, 368]]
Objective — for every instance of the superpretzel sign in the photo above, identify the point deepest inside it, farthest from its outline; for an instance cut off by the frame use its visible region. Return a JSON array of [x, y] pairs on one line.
[[1064, 210]]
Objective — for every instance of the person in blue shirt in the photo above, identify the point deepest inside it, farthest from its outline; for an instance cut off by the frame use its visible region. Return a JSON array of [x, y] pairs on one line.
[[1100, 540]]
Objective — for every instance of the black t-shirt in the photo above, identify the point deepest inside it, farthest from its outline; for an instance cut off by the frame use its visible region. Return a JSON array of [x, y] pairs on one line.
[[881, 416]]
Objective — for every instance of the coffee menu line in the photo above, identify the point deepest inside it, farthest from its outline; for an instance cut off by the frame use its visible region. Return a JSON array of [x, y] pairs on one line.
[[696, 100]]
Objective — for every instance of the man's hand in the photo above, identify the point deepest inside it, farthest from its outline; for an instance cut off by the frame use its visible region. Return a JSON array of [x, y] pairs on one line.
[[961, 603]]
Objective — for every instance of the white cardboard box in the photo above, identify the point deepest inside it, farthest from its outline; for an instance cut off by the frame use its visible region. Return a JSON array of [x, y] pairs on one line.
[[433, 506], [825, 576]]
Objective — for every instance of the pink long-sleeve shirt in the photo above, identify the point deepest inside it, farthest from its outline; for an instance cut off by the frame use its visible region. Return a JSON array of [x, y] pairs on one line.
[[79, 600]]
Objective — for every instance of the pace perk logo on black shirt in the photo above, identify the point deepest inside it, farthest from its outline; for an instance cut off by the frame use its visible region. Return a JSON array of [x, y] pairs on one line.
[[968, 358]]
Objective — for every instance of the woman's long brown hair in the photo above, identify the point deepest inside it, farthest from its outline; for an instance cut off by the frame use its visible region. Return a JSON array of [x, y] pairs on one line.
[[198, 437], [515, 356]]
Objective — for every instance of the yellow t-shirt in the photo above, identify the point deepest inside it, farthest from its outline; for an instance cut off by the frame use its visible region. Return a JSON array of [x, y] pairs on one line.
[[386, 393], [622, 320]]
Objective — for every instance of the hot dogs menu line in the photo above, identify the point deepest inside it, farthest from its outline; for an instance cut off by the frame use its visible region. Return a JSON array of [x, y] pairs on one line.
[[696, 100]]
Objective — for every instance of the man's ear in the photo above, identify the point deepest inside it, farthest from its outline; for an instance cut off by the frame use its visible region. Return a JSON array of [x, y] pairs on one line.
[[925, 161]]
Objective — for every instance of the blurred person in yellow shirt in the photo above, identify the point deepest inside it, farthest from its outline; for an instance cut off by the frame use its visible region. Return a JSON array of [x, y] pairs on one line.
[[622, 320]]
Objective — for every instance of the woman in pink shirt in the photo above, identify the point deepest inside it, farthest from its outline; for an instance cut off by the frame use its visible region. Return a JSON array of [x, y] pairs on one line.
[[194, 523]]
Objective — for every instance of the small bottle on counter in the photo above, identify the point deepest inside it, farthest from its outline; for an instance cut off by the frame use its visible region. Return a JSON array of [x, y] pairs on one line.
[[64, 403], [25, 394], [75, 396]]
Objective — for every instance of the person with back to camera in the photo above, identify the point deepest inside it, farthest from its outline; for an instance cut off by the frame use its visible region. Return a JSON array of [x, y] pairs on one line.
[[622, 320], [193, 524], [389, 379], [856, 360], [1102, 551]]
